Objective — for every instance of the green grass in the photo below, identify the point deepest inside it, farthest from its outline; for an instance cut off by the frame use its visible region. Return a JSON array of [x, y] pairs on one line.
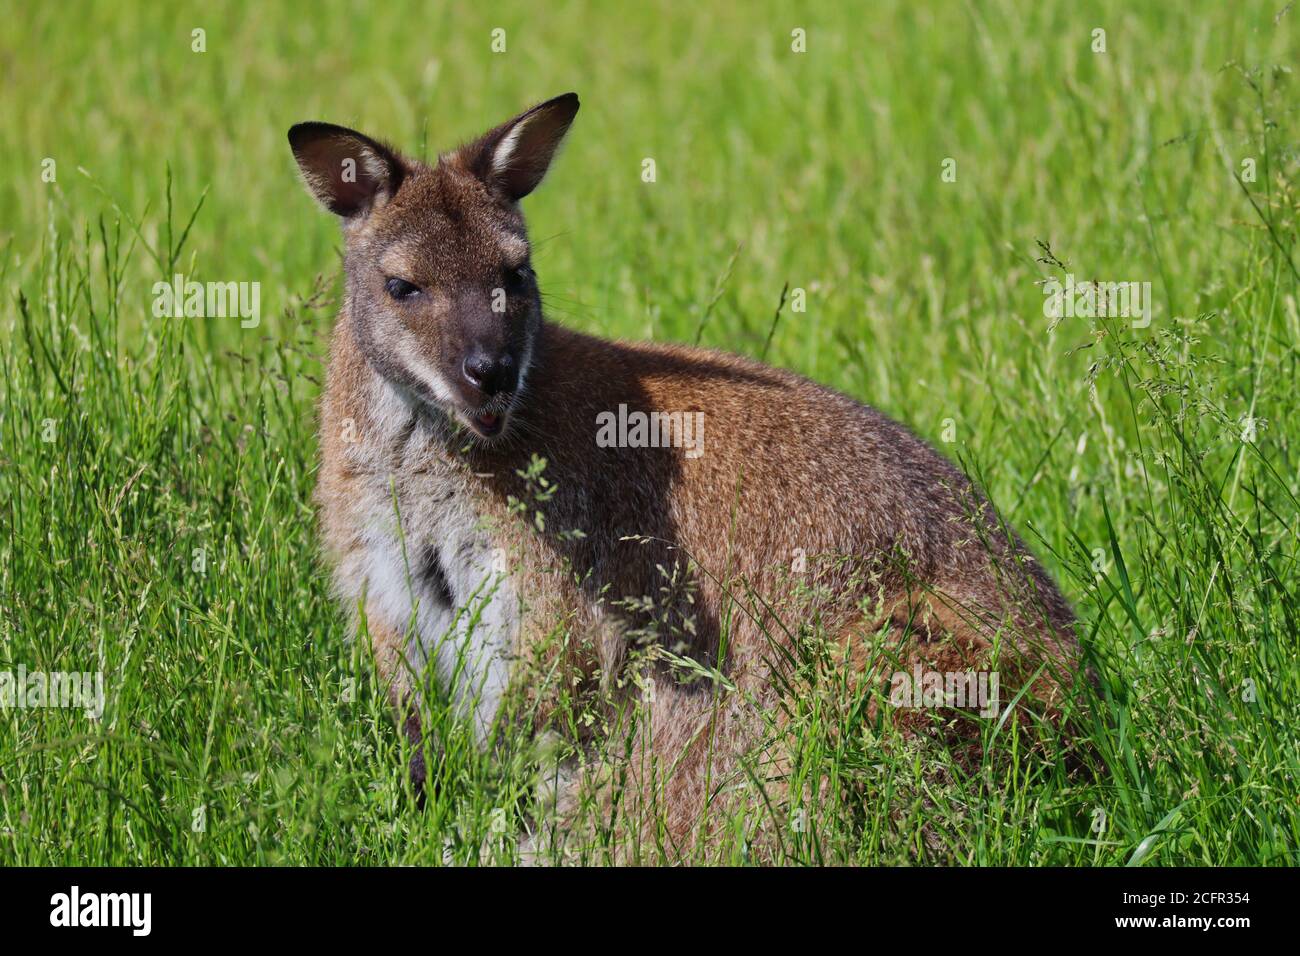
[[164, 533]]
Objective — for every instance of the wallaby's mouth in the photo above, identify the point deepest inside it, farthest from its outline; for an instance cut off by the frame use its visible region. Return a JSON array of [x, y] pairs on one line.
[[488, 420], [487, 424]]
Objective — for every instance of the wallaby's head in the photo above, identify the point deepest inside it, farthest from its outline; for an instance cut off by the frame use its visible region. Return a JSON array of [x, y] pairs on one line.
[[440, 289]]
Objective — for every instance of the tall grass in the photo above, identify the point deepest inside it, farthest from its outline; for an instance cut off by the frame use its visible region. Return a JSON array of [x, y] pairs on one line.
[[155, 473]]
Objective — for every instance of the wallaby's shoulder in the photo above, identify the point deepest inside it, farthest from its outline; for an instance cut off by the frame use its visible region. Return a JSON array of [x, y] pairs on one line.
[[673, 371], [740, 396]]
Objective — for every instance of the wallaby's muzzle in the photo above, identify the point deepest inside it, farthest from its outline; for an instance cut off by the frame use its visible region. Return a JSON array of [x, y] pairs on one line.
[[490, 374]]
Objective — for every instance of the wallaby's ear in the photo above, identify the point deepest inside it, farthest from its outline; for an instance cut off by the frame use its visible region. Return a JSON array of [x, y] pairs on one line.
[[347, 172], [513, 158]]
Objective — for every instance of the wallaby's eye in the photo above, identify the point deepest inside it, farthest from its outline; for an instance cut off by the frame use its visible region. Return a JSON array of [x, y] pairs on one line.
[[518, 276], [401, 289]]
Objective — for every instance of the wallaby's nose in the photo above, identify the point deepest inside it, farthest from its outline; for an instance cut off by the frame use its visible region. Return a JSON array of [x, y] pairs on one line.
[[491, 375]]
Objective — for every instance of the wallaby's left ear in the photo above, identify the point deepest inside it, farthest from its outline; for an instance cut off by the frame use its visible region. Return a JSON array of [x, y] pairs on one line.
[[513, 158], [347, 172]]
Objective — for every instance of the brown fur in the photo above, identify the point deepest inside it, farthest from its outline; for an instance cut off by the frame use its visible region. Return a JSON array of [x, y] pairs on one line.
[[893, 533]]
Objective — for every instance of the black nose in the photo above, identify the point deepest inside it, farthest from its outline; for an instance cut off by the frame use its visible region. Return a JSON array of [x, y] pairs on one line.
[[491, 375]]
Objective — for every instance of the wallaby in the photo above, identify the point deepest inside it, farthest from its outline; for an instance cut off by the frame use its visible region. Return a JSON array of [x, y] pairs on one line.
[[502, 506]]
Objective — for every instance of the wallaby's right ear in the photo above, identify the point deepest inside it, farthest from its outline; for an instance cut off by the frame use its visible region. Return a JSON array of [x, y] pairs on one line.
[[347, 172]]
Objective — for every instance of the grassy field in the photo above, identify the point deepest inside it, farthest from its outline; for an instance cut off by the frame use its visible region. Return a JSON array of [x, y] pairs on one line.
[[908, 173]]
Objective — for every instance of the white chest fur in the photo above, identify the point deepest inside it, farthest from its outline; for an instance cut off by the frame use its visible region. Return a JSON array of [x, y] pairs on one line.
[[430, 566]]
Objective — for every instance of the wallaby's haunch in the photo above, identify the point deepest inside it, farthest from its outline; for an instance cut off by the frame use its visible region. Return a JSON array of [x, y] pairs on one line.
[[502, 542]]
